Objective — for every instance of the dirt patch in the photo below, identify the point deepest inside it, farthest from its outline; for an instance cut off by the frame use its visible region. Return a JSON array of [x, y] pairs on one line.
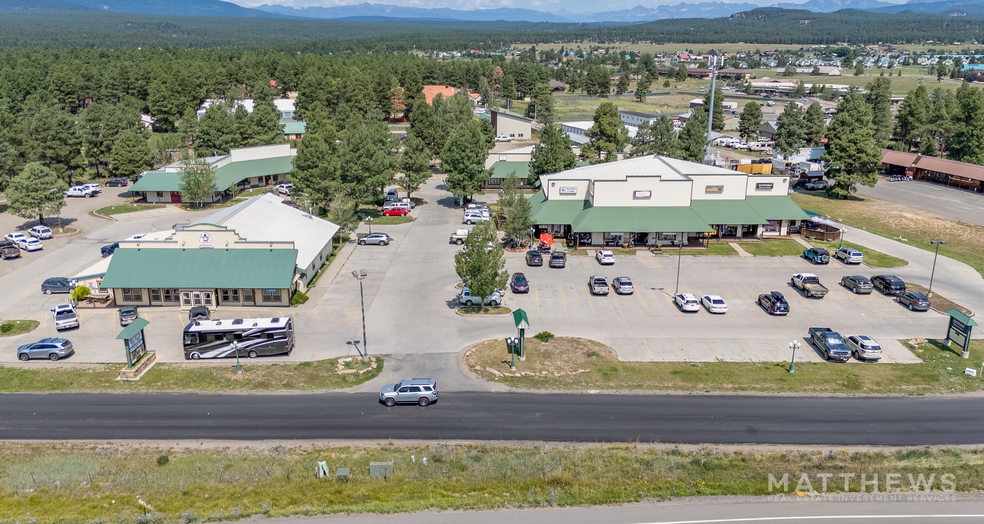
[[561, 356]]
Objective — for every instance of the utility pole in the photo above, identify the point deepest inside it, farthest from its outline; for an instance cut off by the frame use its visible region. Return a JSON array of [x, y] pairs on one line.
[[710, 118]]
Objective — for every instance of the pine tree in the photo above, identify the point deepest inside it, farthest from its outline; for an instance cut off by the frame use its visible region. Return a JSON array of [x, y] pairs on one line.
[[368, 160], [315, 170], [858, 68], [790, 131], [622, 86], [657, 138], [750, 121], [463, 159], [217, 132], [131, 155], [552, 155], [8, 159], [813, 125], [718, 114], [541, 104], [642, 88], [967, 142], [63, 150], [414, 163], [608, 135], [693, 136], [879, 97], [912, 116], [852, 153], [36, 192]]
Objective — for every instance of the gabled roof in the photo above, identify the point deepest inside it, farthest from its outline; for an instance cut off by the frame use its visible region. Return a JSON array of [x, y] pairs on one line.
[[226, 176], [294, 128], [201, 268], [638, 220]]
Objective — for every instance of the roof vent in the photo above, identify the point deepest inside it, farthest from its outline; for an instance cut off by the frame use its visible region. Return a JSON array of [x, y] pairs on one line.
[[237, 322]]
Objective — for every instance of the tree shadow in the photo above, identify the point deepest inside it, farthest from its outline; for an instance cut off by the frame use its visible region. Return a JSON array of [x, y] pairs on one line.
[[52, 222], [453, 303], [448, 202]]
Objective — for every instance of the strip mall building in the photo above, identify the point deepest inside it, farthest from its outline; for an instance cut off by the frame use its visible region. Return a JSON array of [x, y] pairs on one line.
[[659, 201]]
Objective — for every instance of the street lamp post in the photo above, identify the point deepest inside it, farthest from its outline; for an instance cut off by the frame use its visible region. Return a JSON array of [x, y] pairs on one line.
[[369, 221], [360, 275], [239, 367], [513, 344], [679, 261], [794, 345], [843, 232], [936, 243]]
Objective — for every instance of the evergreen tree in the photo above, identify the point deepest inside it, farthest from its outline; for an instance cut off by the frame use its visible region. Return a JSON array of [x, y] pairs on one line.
[[508, 88], [912, 116], [750, 121], [642, 88], [463, 159], [816, 71], [63, 148], [879, 97], [718, 113], [859, 68], [197, 181], [852, 153], [131, 155], [799, 91], [414, 163], [315, 170], [680, 73], [163, 102], [217, 132], [8, 159], [657, 138], [967, 142], [541, 104], [813, 125], [368, 160], [36, 192], [789, 71], [608, 135], [245, 126], [552, 155], [267, 128], [453, 111], [790, 131], [424, 126], [693, 136], [622, 86], [943, 106]]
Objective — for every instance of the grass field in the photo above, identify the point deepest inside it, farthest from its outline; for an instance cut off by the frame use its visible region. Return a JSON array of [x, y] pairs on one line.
[[306, 376], [48, 483], [776, 247], [964, 242], [713, 249], [125, 208], [378, 218], [940, 372], [11, 328], [871, 257]]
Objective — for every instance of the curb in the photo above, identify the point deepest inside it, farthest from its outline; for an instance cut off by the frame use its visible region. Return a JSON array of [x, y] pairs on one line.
[[495, 315], [106, 217]]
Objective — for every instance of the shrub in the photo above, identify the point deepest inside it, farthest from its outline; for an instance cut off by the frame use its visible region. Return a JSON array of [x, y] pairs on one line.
[[163, 460], [544, 336], [298, 298], [6, 327], [80, 293]]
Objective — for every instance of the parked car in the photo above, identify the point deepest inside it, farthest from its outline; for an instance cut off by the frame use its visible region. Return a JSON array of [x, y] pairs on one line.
[[57, 285], [391, 195], [558, 259], [127, 315], [534, 258], [459, 236], [199, 313], [503, 138], [888, 284], [849, 255], [408, 201], [9, 250], [472, 218], [863, 347], [420, 391], [817, 255], [284, 189], [858, 284], [79, 191], [466, 298], [830, 343], [816, 185], [810, 284], [913, 300], [94, 188], [686, 302], [40, 232], [623, 285], [598, 285], [110, 249], [49, 348], [774, 302], [379, 239], [118, 182], [65, 317], [714, 304], [16, 238], [395, 212], [605, 257], [518, 283], [30, 244]]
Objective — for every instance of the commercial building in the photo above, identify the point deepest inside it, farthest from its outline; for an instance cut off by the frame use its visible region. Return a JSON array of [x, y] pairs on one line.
[[636, 118], [512, 125], [933, 169], [241, 169], [655, 201]]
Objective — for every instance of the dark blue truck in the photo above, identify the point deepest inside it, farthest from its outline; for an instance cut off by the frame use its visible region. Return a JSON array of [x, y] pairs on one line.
[[830, 343]]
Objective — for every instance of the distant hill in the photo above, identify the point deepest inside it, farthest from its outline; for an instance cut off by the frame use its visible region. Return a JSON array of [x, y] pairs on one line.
[[829, 6], [956, 8], [38, 6], [640, 13], [169, 7], [366, 9]]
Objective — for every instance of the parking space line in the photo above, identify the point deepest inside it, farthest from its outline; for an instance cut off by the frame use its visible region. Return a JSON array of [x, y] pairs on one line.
[[562, 301], [712, 349], [536, 293], [647, 349], [681, 349], [319, 319], [589, 301], [776, 350], [644, 306], [743, 350], [618, 306], [281, 313]]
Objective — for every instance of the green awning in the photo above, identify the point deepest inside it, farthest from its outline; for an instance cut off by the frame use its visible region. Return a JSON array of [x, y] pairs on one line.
[[638, 220], [550, 212], [201, 268], [727, 212], [777, 208], [131, 330]]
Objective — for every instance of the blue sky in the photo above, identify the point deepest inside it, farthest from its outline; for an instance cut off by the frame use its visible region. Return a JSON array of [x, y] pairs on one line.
[[576, 6]]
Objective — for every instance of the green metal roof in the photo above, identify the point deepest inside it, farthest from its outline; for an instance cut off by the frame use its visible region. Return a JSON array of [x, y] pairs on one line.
[[225, 176], [777, 208], [132, 329], [962, 317], [294, 128], [555, 211], [638, 220], [502, 168], [202, 268], [726, 212], [157, 181]]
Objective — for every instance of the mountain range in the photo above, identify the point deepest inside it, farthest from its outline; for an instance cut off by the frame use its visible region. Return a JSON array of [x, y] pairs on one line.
[[367, 11]]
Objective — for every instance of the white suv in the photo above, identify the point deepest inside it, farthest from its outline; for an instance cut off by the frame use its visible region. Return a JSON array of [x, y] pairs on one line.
[[472, 218], [79, 191]]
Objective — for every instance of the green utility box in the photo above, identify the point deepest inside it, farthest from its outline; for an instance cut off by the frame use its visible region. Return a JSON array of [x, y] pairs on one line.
[[381, 469]]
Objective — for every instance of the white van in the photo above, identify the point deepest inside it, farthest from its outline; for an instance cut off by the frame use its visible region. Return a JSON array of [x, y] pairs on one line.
[[760, 146]]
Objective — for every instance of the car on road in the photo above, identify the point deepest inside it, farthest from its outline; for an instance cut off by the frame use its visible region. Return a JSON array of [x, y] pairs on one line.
[[858, 284], [558, 259], [605, 257], [127, 315], [395, 211], [284, 189], [888, 284], [714, 304], [65, 317], [466, 298], [79, 191], [863, 347], [519, 284], [40, 232], [94, 188], [30, 244], [379, 239], [49, 348], [118, 182], [110, 249], [686, 302], [623, 285], [849, 255], [830, 343], [774, 302], [420, 391], [913, 300], [534, 258], [57, 285], [598, 285]]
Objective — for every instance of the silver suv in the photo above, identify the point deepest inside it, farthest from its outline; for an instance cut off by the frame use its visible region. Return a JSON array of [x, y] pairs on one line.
[[420, 391]]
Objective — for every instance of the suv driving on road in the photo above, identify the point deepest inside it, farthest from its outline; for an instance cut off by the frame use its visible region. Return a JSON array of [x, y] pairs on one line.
[[420, 391]]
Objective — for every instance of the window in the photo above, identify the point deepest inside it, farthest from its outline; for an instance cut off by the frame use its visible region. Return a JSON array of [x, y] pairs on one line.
[[186, 298], [271, 295], [196, 298], [207, 297], [225, 295], [170, 295], [248, 295], [132, 295], [235, 295], [155, 295]]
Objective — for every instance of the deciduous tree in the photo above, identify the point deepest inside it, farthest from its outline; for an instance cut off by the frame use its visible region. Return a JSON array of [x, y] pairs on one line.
[[481, 266], [197, 181]]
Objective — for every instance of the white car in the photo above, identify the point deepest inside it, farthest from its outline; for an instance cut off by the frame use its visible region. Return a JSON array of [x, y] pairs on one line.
[[605, 257], [41, 232], [79, 191], [30, 244], [714, 304], [284, 189], [686, 302], [16, 238], [472, 218], [93, 187], [863, 347], [503, 138]]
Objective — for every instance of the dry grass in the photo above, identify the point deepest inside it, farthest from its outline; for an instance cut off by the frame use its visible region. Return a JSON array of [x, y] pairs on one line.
[[938, 302], [10, 328]]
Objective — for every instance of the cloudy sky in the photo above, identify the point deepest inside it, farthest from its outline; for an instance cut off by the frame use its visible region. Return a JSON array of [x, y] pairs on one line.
[[539, 5]]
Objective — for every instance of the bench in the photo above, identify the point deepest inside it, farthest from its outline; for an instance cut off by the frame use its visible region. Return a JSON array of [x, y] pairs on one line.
[[100, 298]]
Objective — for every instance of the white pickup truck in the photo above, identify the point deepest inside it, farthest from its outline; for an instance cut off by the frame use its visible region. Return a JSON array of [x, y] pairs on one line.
[[467, 299], [810, 284], [459, 236]]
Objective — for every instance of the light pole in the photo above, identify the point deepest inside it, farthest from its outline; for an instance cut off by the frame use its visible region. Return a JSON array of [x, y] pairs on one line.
[[843, 232], [239, 367], [369, 221], [360, 275], [679, 261], [513, 344], [794, 345], [936, 243]]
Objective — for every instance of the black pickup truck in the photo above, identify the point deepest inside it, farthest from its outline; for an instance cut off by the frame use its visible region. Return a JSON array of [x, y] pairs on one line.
[[8, 250]]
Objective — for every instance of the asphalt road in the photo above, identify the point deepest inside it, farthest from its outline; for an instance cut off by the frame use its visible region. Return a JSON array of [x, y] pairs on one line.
[[886, 421], [927, 196]]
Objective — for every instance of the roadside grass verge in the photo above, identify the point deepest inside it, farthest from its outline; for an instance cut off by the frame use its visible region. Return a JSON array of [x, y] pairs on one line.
[[103, 483], [197, 376], [379, 219], [964, 242], [577, 252], [775, 247], [939, 303], [12, 328], [871, 257], [580, 365], [713, 249], [486, 310], [126, 208], [625, 252]]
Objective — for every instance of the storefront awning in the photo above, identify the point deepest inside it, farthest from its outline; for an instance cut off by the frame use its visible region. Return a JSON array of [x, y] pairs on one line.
[[777, 208], [638, 220], [727, 212], [548, 212], [143, 268]]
